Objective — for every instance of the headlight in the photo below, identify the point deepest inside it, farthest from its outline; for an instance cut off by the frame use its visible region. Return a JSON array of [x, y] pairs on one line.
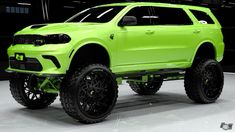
[[41, 39], [57, 39]]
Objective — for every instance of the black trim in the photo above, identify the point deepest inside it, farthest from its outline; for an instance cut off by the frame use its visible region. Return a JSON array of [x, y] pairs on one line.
[[29, 39], [38, 26], [39, 40], [71, 53], [31, 64], [53, 59]]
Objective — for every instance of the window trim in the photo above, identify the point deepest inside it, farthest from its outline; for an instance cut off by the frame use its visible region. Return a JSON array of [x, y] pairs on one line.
[[198, 21], [187, 12]]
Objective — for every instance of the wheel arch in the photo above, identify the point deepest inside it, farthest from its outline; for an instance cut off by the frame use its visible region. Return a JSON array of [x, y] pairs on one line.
[[90, 50], [206, 49]]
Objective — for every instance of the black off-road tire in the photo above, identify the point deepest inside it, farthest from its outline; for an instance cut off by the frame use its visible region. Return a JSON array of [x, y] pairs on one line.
[[89, 94], [23, 90], [147, 88], [204, 81]]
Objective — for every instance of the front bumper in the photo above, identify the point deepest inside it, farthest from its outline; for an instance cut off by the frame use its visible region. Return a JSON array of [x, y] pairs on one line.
[[45, 60], [31, 64]]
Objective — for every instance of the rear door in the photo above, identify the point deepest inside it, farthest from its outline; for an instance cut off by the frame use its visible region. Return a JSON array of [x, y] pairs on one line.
[[175, 38]]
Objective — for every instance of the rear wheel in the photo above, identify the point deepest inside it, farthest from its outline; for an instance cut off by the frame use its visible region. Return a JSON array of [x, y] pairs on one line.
[[147, 88], [204, 81], [89, 94], [24, 90]]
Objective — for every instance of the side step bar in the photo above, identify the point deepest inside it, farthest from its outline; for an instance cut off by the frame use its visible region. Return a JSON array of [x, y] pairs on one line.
[[164, 73]]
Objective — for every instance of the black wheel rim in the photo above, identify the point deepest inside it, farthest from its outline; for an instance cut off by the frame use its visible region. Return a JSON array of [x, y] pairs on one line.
[[212, 81], [96, 93], [152, 83], [30, 88]]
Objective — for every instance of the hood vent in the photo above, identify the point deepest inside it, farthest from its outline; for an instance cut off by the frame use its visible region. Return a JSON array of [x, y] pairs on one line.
[[38, 26]]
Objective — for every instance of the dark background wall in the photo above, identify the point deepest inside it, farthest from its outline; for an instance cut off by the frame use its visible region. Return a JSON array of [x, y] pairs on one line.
[[17, 14]]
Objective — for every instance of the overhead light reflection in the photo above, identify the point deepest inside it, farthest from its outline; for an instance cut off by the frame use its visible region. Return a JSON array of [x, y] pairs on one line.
[[28, 4], [69, 7]]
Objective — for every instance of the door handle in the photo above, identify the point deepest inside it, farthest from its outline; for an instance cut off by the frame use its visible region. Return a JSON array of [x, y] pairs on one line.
[[150, 32], [197, 31]]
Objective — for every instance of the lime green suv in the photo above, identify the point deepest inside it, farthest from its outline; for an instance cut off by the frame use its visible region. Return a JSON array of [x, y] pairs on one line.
[[85, 58]]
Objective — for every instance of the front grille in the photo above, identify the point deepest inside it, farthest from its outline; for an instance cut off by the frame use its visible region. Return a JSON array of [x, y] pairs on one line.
[[30, 64], [28, 39]]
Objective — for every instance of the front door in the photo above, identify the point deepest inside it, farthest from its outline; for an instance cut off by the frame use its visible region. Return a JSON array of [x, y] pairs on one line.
[[134, 42]]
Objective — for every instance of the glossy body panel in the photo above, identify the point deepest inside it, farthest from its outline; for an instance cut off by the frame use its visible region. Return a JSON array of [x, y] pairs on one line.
[[133, 48]]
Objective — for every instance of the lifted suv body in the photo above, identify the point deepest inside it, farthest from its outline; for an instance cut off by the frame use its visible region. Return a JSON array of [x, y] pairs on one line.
[[128, 49], [83, 58]]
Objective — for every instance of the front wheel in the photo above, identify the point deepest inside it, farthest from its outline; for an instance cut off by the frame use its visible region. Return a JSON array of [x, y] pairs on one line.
[[24, 90], [89, 94], [204, 81]]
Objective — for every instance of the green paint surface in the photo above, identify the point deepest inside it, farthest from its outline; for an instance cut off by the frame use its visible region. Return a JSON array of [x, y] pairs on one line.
[[131, 49]]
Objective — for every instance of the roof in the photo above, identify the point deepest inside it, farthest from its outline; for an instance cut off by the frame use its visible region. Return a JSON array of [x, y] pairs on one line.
[[155, 4]]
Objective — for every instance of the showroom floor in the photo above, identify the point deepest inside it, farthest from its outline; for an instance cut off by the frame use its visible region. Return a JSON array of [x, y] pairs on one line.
[[169, 110]]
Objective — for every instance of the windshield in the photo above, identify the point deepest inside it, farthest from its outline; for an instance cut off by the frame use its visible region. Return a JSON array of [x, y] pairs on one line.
[[97, 14]]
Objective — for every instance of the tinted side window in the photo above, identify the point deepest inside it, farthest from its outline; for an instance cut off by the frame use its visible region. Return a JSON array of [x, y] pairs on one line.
[[98, 14], [171, 16], [202, 17], [142, 15]]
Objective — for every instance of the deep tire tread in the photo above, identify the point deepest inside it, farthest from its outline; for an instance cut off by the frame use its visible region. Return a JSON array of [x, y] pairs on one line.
[[192, 76], [17, 93], [67, 90]]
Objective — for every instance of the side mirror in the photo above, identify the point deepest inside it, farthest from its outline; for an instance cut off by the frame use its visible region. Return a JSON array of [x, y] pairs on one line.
[[128, 21]]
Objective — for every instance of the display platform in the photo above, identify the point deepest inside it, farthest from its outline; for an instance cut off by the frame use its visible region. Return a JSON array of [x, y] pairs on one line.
[[168, 111]]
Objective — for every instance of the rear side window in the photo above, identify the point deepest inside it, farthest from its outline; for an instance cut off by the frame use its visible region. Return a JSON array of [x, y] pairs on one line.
[[170, 16], [202, 17], [142, 15]]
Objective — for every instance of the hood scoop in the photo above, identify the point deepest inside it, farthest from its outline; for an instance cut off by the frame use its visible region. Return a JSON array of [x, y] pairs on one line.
[[37, 26]]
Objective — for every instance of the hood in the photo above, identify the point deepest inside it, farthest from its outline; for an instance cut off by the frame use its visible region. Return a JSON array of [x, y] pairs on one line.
[[58, 28]]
